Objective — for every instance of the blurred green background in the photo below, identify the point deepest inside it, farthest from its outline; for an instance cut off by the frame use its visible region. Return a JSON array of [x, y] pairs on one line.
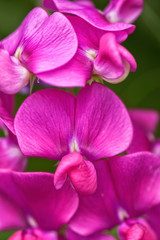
[[139, 90]]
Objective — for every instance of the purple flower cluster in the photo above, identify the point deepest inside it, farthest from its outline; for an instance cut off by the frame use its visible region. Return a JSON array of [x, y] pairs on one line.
[[107, 174]]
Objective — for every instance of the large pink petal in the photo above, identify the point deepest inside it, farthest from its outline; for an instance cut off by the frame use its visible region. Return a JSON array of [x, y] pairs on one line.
[[34, 196], [89, 36], [103, 127], [11, 215], [136, 179], [89, 13], [46, 121], [13, 76], [52, 45], [82, 173], [97, 212], [29, 25], [123, 10], [73, 74]]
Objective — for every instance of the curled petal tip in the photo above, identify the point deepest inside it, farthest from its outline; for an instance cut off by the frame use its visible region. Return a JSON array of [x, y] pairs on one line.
[[82, 174]]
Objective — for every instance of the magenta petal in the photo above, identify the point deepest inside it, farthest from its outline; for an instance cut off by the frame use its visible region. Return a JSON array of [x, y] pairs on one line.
[[82, 173], [123, 10], [52, 45], [137, 178], [97, 212], [23, 193], [79, 9], [103, 127], [46, 121], [73, 74], [13, 75], [98, 236], [108, 62]]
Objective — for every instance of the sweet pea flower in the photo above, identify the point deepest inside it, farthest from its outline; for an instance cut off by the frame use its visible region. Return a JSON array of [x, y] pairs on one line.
[[99, 56], [30, 202], [145, 123], [127, 189], [123, 10], [74, 130], [42, 43], [11, 156]]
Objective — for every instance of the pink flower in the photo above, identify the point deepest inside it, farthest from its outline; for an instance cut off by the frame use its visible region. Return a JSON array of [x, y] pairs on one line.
[[76, 130], [126, 192], [100, 55], [42, 43]]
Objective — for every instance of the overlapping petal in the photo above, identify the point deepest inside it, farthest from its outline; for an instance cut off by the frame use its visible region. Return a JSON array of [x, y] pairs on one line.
[[30, 200], [82, 173], [14, 76], [73, 74], [87, 12], [98, 236], [127, 188]]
